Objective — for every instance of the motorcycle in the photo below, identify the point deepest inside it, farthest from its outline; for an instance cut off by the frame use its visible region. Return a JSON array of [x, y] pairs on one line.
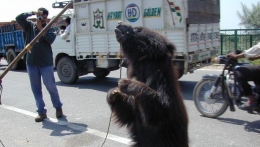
[[214, 93]]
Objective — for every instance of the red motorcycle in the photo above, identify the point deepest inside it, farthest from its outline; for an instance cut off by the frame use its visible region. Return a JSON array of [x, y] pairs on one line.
[[214, 93]]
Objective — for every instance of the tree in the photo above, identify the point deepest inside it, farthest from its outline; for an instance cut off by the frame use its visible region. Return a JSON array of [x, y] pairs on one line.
[[250, 18]]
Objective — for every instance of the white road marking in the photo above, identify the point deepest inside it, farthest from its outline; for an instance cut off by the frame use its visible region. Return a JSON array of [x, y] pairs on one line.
[[73, 126]]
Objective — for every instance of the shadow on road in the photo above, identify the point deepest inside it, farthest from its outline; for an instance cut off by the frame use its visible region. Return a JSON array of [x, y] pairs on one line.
[[107, 83], [249, 126], [17, 70], [94, 83], [63, 127], [187, 89]]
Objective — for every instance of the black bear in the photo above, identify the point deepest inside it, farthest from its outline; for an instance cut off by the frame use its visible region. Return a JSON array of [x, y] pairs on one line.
[[149, 101]]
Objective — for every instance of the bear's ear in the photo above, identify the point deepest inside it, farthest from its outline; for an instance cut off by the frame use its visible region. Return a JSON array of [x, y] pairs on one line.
[[171, 48], [163, 51]]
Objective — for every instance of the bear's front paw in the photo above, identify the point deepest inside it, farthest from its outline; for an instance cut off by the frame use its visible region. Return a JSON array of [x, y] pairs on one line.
[[130, 87], [112, 94], [124, 83]]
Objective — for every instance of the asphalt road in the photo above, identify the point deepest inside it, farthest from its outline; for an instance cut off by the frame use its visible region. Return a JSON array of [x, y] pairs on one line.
[[87, 116]]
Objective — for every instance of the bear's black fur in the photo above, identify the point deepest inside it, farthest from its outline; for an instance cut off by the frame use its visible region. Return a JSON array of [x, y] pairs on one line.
[[149, 101]]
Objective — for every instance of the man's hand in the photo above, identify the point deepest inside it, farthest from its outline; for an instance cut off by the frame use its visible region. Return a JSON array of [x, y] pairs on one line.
[[235, 56], [254, 58], [232, 55], [37, 13], [38, 22]]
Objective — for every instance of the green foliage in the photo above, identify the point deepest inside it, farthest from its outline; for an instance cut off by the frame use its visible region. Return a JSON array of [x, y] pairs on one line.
[[250, 17], [255, 62]]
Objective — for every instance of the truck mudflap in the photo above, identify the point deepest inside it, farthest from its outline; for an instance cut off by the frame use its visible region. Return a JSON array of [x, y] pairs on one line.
[[203, 58], [107, 63]]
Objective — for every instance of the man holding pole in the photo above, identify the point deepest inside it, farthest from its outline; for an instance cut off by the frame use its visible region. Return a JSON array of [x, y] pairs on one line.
[[39, 61]]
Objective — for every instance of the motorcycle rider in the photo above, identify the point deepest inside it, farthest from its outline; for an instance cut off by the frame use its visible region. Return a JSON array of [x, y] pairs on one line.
[[244, 74]]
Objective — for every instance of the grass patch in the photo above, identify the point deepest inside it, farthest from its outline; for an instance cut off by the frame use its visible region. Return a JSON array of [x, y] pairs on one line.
[[255, 62]]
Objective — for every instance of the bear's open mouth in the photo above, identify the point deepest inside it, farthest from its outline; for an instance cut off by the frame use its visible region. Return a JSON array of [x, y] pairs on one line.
[[119, 34]]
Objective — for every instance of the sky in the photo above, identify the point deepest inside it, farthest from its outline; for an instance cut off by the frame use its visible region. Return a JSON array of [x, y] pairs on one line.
[[228, 12], [9, 9]]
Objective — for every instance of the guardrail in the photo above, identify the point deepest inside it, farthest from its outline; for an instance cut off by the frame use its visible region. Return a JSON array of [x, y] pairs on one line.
[[240, 39]]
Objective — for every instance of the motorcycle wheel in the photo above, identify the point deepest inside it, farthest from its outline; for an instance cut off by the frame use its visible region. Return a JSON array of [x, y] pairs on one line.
[[209, 107]]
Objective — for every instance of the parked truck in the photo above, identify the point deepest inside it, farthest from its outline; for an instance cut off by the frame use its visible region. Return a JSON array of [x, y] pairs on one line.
[[91, 46], [11, 44]]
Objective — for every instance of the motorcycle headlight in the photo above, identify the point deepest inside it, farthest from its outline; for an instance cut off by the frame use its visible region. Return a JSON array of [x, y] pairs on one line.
[[221, 59]]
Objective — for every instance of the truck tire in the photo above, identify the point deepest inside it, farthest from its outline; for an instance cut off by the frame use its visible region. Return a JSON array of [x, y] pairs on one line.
[[101, 73], [67, 71], [179, 66], [180, 73], [10, 56]]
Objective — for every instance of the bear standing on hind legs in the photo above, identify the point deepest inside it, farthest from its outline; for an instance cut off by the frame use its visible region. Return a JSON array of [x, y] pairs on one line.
[[149, 102]]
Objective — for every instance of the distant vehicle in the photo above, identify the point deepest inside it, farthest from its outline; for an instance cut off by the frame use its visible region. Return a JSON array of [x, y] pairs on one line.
[[213, 94], [11, 43]]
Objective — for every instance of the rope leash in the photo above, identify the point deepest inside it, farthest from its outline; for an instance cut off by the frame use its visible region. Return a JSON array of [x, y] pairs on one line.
[[107, 129], [2, 143], [120, 67]]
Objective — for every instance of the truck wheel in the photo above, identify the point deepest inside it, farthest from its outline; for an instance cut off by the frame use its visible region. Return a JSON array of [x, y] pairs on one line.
[[67, 71], [180, 73], [101, 73], [10, 56], [179, 66]]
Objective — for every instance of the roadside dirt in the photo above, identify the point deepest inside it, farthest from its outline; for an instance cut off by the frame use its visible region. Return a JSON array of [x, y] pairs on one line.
[[214, 66]]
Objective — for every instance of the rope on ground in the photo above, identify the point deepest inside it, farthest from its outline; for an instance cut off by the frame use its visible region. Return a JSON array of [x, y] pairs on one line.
[[107, 130], [111, 112], [2, 143]]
